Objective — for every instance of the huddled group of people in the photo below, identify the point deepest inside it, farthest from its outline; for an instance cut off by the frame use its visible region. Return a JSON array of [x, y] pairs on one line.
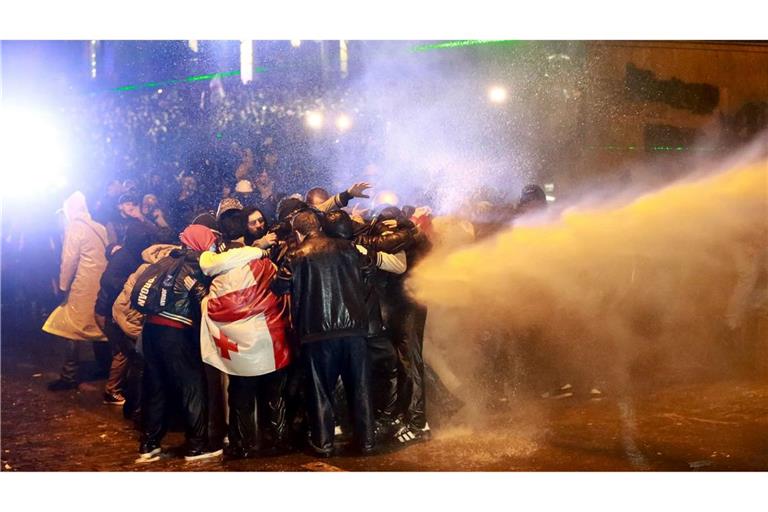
[[289, 309]]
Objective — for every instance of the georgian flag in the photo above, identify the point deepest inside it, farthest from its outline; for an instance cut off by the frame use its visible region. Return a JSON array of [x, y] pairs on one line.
[[243, 329]]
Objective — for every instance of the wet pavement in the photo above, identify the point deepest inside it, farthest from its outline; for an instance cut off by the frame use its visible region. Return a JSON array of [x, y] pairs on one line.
[[701, 427]]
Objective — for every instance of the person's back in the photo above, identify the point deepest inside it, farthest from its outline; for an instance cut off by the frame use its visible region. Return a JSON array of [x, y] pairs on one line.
[[325, 278], [328, 289]]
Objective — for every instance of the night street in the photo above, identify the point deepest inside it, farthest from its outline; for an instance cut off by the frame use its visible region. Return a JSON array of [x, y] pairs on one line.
[[704, 427]]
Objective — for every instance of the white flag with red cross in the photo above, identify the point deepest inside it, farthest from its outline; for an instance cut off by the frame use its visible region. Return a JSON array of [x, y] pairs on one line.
[[244, 326]]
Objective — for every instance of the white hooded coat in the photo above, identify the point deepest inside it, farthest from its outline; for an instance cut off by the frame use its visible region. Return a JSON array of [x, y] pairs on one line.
[[82, 263]]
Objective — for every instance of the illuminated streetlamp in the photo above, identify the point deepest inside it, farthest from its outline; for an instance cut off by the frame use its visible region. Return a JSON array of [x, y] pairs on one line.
[[343, 122], [314, 120], [497, 94]]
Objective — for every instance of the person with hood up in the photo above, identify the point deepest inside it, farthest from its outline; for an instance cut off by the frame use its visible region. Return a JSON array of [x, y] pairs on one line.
[[82, 263], [172, 355], [130, 322]]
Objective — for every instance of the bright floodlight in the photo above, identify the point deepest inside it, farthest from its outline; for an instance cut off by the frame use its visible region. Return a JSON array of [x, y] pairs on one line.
[[246, 61], [343, 122], [314, 120], [497, 94], [33, 156], [295, 43]]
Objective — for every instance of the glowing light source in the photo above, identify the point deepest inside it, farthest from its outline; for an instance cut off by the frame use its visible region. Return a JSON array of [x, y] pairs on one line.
[[343, 59], [314, 120], [31, 147], [386, 197], [246, 61], [93, 58], [295, 43], [192, 45], [497, 94], [343, 122]]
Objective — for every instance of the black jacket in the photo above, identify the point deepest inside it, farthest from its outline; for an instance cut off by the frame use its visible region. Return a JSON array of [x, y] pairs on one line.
[[389, 288], [325, 277], [185, 307], [121, 265]]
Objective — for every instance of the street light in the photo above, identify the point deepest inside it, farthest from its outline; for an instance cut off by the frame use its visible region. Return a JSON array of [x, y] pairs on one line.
[[314, 120], [343, 122], [497, 94]]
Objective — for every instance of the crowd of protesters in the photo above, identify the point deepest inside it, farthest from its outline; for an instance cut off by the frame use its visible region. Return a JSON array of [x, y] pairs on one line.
[[289, 309]]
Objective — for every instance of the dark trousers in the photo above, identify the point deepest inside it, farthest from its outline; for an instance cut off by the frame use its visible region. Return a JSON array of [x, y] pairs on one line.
[[266, 395], [408, 338], [172, 362], [217, 415], [383, 376], [324, 362], [71, 369]]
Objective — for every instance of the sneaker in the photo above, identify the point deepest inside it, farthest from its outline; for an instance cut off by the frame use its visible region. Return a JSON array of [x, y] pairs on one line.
[[61, 385], [562, 392], [116, 399], [148, 452], [202, 453], [408, 434], [384, 430]]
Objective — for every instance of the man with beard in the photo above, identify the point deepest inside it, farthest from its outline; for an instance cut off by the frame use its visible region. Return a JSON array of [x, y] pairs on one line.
[[257, 234], [244, 334]]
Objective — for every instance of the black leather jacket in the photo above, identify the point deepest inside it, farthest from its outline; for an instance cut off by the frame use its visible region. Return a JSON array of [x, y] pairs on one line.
[[390, 287], [325, 277], [186, 306]]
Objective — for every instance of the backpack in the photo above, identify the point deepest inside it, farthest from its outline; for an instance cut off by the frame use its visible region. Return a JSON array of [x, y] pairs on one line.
[[153, 292]]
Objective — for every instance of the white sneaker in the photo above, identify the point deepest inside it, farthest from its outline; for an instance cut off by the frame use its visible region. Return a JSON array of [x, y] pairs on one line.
[[152, 456], [195, 455]]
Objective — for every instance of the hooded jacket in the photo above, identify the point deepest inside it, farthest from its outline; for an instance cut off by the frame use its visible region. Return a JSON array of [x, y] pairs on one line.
[[189, 288], [130, 320], [82, 263]]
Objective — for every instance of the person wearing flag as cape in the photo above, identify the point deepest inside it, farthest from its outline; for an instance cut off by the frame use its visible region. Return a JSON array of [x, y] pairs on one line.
[[244, 333]]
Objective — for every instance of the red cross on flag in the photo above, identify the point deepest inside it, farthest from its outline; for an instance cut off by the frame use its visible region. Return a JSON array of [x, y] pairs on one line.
[[244, 325]]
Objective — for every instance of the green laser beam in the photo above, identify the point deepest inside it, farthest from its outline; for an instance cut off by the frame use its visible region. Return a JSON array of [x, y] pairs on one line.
[[195, 78], [462, 44]]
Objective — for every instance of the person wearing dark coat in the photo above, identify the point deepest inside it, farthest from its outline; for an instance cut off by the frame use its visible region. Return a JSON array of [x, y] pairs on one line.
[[173, 366], [120, 265], [381, 350], [325, 277], [403, 318]]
